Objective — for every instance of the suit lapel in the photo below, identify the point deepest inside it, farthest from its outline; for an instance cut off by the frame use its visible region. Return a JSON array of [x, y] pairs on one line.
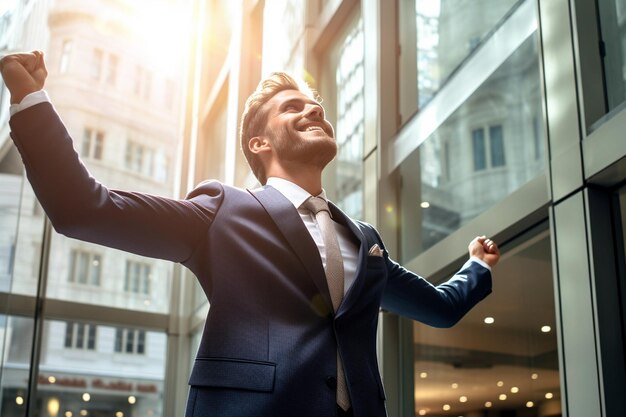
[[290, 224]]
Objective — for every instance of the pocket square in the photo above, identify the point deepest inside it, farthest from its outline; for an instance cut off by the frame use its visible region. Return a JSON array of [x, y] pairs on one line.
[[375, 250]]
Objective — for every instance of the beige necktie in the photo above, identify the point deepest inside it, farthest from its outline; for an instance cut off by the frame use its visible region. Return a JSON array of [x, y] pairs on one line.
[[334, 277]]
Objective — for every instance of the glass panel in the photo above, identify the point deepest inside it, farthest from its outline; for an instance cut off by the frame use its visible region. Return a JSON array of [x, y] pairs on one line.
[[452, 177], [447, 33], [16, 336], [350, 123], [501, 359], [99, 381], [613, 28]]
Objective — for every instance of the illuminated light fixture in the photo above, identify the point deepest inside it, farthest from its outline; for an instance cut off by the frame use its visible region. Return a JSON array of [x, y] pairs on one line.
[[446, 407], [534, 376], [19, 400], [132, 399], [488, 404], [454, 385], [425, 204], [422, 412], [83, 412], [68, 414], [549, 395], [530, 404], [489, 320], [546, 329], [424, 375], [52, 379], [119, 414], [502, 397], [53, 406], [514, 390], [389, 209], [500, 383], [86, 397], [463, 399]]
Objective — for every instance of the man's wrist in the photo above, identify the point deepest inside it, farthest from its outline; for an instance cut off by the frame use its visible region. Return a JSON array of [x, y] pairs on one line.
[[29, 100]]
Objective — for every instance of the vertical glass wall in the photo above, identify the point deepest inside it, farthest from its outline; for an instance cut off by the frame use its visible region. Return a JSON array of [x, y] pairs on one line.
[[501, 359], [121, 102], [481, 136], [613, 29]]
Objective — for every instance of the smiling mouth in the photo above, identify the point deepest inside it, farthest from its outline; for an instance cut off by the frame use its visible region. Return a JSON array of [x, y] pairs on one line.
[[313, 128]]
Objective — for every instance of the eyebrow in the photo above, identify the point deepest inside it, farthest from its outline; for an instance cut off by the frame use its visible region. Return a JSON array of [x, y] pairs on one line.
[[297, 100]]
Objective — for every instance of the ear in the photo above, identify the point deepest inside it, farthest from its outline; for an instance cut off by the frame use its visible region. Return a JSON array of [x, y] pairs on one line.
[[259, 145]]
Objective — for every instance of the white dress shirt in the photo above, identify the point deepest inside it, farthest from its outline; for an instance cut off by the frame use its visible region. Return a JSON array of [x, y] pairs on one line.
[[349, 249]]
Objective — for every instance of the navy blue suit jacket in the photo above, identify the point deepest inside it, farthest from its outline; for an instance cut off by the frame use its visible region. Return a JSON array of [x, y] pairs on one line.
[[271, 337]]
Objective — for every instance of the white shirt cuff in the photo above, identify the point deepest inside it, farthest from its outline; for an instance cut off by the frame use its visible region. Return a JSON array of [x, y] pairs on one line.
[[478, 261], [29, 101]]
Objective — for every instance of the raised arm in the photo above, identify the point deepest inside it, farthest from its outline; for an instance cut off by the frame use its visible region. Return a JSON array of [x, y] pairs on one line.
[[79, 206], [443, 305]]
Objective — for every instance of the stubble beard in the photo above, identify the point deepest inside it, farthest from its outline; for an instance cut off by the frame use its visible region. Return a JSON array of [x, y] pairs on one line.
[[291, 147]]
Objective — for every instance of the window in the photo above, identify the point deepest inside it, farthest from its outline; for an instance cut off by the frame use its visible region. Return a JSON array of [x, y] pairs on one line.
[[613, 31], [130, 341], [85, 267], [143, 82], [139, 158], [112, 70], [80, 336], [93, 143], [350, 122], [137, 277], [96, 64], [495, 150], [66, 52]]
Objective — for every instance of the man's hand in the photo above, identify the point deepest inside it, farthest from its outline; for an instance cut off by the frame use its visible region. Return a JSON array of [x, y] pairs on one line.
[[485, 250], [23, 73]]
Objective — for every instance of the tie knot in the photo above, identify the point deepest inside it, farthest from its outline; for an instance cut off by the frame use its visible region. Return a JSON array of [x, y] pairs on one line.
[[316, 204]]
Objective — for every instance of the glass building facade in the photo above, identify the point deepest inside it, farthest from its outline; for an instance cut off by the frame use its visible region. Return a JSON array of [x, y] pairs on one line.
[[453, 119]]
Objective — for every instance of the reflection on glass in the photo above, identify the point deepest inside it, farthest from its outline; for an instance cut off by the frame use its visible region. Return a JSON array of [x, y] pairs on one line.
[[447, 32], [17, 335], [489, 147], [613, 28], [501, 359], [101, 369], [350, 123]]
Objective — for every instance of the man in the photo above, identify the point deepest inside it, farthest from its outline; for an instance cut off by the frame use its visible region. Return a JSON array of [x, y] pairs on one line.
[[295, 286]]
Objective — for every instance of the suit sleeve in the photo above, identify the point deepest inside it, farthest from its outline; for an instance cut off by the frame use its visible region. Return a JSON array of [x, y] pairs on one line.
[[410, 295], [80, 207]]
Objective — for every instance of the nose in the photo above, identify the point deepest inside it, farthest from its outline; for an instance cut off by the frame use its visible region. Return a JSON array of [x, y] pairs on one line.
[[314, 111]]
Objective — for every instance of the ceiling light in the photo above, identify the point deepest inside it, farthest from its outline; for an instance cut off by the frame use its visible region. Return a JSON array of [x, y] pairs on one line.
[[500, 383], [530, 404], [463, 399], [86, 396], [489, 320], [534, 376], [68, 414], [549, 395], [422, 412], [546, 329], [446, 407], [424, 375], [132, 399], [514, 390], [52, 379], [502, 397], [425, 204], [454, 385], [488, 404], [19, 400]]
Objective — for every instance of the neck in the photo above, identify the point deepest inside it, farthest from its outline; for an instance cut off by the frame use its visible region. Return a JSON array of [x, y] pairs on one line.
[[306, 176]]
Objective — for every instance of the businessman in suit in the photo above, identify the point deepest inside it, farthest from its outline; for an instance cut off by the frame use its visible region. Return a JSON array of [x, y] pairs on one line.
[[295, 285]]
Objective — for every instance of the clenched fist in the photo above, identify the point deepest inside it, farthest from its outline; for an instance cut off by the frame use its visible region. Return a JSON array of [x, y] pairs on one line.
[[485, 250], [23, 73]]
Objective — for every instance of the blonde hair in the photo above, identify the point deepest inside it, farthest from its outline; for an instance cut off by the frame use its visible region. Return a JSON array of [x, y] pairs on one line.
[[254, 117]]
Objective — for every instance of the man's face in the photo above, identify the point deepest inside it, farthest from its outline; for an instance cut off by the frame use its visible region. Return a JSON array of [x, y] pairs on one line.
[[297, 129]]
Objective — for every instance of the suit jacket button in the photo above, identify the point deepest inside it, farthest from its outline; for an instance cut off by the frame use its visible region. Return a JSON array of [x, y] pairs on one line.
[[331, 381]]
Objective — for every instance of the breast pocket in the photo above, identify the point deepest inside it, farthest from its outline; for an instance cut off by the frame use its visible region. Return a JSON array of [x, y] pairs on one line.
[[233, 373]]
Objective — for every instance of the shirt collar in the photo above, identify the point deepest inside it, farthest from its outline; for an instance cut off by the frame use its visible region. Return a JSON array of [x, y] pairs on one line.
[[292, 191]]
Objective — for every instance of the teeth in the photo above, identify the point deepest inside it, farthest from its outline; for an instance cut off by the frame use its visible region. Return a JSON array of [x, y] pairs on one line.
[[311, 128]]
